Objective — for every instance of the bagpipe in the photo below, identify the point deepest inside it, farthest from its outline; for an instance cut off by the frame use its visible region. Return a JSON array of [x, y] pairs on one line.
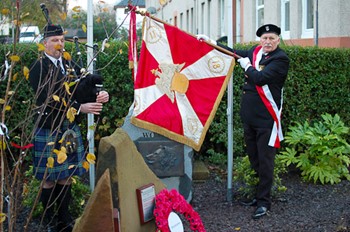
[[88, 85]]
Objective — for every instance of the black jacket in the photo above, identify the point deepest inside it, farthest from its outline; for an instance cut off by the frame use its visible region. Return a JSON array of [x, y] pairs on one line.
[[47, 80], [274, 73]]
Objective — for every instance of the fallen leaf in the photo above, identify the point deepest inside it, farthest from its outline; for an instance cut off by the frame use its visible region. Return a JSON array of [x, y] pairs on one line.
[[71, 112], [86, 165], [66, 85], [41, 47], [76, 9], [67, 56], [5, 11], [50, 162], [83, 26], [91, 158], [61, 154], [56, 98], [2, 217], [15, 58]]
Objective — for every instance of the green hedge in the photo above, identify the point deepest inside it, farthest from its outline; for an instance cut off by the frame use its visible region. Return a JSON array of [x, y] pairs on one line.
[[318, 82]]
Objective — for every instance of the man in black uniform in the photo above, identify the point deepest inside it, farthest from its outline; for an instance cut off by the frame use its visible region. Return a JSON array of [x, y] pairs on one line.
[[265, 71]]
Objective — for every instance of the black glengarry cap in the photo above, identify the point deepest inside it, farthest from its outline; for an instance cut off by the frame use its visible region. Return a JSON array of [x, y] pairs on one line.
[[268, 28], [52, 30]]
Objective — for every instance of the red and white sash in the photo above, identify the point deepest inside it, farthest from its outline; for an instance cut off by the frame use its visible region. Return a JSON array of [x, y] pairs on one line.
[[266, 96]]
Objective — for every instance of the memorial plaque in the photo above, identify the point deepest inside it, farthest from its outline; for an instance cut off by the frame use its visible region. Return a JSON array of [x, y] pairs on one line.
[[164, 157], [145, 199]]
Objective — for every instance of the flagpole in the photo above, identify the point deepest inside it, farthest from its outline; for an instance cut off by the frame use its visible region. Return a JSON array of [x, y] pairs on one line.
[[90, 117], [229, 112], [221, 49]]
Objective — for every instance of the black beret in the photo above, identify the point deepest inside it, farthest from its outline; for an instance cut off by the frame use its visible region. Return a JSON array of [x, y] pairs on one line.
[[52, 30], [268, 28]]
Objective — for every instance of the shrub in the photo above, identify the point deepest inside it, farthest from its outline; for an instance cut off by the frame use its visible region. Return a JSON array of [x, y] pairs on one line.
[[320, 150], [246, 180], [80, 194]]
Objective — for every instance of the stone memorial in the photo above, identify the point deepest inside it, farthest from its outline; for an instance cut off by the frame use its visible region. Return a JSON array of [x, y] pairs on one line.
[[171, 161]]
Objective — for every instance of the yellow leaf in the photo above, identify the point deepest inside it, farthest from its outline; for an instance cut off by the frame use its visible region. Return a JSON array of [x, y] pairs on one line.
[[74, 181], [66, 85], [72, 84], [10, 92], [98, 20], [26, 72], [16, 23], [5, 11], [2, 217], [25, 189], [7, 108], [50, 162], [75, 16], [2, 145], [15, 58], [71, 112], [91, 158], [61, 155], [41, 47], [105, 9], [64, 102], [67, 56], [14, 77], [83, 26], [86, 165], [2, 101], [120, 51], [51, 143], [82, 202], [76, 9], [58, 47], [24, 15], [63, 16], [61, 140], [56, 98], [71, 166]]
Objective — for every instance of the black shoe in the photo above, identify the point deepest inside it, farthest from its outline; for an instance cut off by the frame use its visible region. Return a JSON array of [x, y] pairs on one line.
[[259, 212], [249, 202]]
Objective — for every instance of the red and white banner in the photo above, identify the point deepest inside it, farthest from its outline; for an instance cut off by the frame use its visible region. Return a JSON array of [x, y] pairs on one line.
[[179, 84]]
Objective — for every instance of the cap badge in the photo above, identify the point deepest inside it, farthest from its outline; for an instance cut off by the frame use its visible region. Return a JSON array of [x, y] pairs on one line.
[[267, 28]]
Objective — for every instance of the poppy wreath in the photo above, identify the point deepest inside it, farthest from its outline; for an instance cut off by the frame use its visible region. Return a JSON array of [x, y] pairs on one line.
[[168, 201]]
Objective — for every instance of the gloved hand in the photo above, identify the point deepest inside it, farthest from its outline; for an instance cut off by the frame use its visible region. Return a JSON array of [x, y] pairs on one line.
[[205, 38], [244, 62]]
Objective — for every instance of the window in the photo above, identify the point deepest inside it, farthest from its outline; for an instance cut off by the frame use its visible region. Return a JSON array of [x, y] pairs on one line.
[[308, 19], [222, 17], [192, 22], [285, 19], [202, 18], [181, 20], [188, 20], [208, 19], [259, 13]]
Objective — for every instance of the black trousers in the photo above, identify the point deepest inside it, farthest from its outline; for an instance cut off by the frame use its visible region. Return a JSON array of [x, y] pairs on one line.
[[262, 160]]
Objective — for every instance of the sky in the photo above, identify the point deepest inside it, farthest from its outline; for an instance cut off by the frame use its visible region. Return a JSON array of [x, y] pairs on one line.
[[83, 3]]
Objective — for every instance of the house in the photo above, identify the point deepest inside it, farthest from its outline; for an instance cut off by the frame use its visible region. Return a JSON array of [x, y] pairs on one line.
[[79, 33], [303, 22], [122, 16]]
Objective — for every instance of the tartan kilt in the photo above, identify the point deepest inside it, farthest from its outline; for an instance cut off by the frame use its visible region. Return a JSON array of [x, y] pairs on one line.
[[42, 151]]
